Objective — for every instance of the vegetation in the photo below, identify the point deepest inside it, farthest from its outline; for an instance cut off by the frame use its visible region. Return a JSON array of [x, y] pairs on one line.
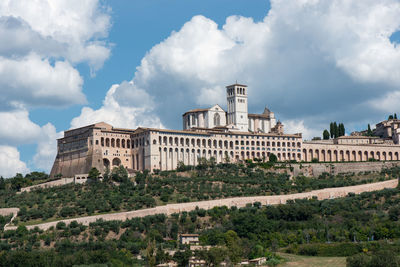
[[365, 228], [336, 130], [208, 181]]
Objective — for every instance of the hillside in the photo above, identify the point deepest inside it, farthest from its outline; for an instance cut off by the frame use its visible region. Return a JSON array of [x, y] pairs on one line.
[[118, 193], [362, 225]]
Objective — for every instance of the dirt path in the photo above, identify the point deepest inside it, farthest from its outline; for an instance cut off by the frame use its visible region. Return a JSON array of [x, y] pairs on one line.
[[327, 193]]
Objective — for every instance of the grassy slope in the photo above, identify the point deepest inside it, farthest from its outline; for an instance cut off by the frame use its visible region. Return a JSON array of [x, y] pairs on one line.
[[308, 261]]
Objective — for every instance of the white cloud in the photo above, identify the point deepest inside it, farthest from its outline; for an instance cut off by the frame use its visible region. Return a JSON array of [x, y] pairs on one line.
[[46, 150], [293, 126], [41, 42], [31, 81], [16, 128], [10, 162], [120, 115]]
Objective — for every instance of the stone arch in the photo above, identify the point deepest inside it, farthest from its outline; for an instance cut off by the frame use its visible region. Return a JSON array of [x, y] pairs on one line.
[[316, 154], [390, 155], [165, 140], [198, 142], [366, 156], [359, 156], [384, 155], [323, 155], [378, 155], [396, 155], [182, 142], [176, 141], [310, 155], [102, 141], [347, 155], [116, 162], [231, 144], [170, 141], [108, 142], [112, 142], [123, 143], [209, 143], [305, 154], [335, 155], [118, 142]]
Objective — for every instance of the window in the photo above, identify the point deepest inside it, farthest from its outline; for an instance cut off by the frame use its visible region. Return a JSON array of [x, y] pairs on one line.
[[217, 119]]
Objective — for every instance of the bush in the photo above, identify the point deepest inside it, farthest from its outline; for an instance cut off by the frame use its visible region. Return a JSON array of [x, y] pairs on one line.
[[61, 226]]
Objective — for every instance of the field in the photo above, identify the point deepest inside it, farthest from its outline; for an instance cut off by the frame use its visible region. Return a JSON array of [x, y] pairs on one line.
[[308, 261]]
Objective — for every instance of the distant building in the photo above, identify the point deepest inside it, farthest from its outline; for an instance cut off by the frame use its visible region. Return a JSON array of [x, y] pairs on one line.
[[233, 135], [189, 239]]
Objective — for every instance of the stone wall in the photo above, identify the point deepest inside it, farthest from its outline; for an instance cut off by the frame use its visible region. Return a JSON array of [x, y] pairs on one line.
[[316, 169], [62, 181], [169, 209]]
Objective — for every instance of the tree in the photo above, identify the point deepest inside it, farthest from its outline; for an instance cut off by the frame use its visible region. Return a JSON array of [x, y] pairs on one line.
[[395, 116], [336, 130], [331, 130], [325, 135], [119, 174], [94, 174], [369, 131], [390, 117], [273, 158]]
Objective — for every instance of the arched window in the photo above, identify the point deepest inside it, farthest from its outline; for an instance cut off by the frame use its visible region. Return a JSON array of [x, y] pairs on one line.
[[217, 119]]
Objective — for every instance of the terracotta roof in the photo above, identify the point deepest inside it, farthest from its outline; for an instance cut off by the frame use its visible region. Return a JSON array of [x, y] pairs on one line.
[[258, 115]]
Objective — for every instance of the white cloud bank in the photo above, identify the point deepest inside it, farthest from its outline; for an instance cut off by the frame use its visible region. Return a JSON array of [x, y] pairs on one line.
[[310, 61], [41, 42], [10, 163]]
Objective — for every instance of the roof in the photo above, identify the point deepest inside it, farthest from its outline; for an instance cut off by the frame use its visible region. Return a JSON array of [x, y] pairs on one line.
[[236, 84], [258, 115], [357, 137], [189, 235]]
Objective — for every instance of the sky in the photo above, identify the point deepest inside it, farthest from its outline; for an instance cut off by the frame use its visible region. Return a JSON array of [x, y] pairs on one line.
[[131, 63]]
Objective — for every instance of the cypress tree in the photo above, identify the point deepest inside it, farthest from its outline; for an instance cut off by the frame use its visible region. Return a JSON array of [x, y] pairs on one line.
[[335, 130], [395, 116], [325, 135], [331, 130], [369, 132]]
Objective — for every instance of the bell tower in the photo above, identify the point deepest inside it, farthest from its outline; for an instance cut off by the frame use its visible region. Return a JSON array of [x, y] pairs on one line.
[[237, 114]]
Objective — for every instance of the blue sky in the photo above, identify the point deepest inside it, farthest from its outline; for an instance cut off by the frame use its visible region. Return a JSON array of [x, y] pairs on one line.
[[311, 62]]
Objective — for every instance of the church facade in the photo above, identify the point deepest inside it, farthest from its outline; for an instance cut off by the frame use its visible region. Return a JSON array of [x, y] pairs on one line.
[[233, 135]]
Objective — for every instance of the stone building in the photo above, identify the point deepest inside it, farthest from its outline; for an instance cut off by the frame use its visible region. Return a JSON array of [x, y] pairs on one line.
[[233, 135]]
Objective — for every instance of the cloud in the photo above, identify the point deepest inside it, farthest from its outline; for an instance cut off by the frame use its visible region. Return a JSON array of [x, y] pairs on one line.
[[293, 126], [31, 82], [46, 150], [16, 128], [41, 43], [10, 162], [121, 114]]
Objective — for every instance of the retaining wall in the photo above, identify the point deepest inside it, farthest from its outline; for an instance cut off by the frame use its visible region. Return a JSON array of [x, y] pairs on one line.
[[316, 169], [62, 181], [169, 209]]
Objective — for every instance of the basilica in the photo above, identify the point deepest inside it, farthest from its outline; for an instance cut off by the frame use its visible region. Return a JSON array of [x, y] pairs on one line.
[[233, 135]]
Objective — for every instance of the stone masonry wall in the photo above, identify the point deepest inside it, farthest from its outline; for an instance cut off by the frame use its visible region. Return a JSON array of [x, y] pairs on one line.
[[58, 182], [316, 169], [169, 209]]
